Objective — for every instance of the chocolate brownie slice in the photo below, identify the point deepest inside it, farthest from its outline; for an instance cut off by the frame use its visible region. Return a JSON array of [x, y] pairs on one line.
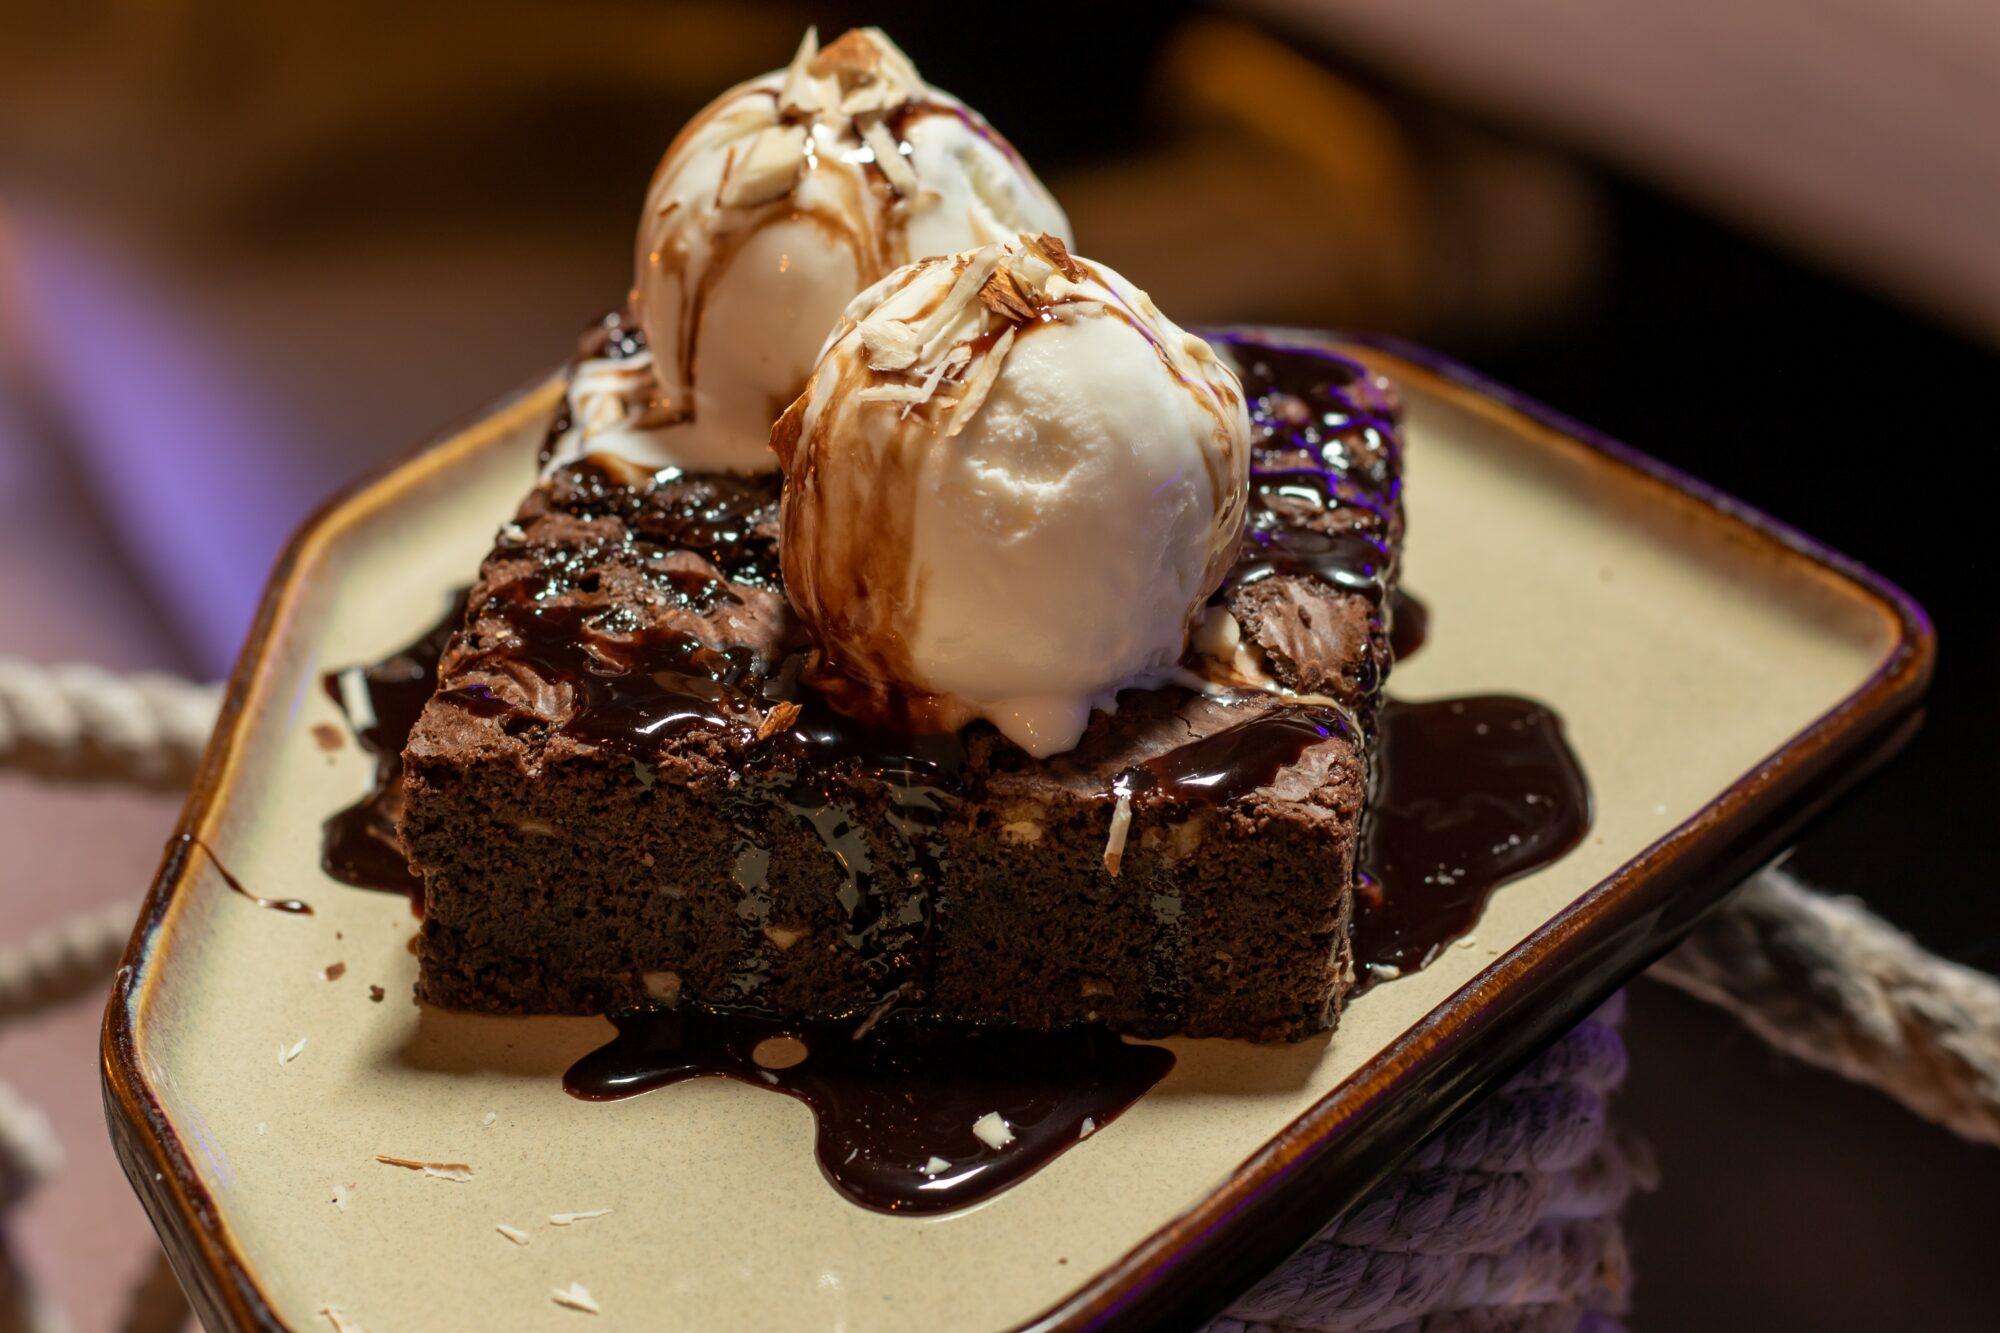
[[633, 785]]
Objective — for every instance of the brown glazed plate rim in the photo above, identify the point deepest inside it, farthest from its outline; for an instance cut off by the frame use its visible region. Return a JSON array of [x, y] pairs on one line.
[[1329, 1156]]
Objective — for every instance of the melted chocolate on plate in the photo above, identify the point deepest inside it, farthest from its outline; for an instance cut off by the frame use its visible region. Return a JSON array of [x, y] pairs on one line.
[[901, 1103]]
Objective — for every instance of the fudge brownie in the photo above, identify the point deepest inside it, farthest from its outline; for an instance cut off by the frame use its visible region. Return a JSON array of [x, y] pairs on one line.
[[634, 785]]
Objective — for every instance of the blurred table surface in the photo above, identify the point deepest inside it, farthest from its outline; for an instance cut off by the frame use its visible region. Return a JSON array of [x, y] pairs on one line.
[[1860, 131]]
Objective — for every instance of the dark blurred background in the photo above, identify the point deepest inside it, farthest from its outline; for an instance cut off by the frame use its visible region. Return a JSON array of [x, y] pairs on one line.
[[249, 251]]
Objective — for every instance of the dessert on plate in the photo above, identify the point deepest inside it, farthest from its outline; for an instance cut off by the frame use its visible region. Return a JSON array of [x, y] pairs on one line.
[[907, 611]]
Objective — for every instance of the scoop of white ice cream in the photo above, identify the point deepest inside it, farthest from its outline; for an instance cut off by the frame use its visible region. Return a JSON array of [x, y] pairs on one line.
[[772, 208], [1010, 486]]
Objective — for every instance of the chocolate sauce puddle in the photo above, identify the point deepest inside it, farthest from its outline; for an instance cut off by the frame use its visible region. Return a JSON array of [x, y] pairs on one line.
[[1467, 794], [381, 703], [896, 1106]]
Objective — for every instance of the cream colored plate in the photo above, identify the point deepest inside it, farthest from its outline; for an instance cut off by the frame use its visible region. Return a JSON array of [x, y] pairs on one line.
[[1684, 648]]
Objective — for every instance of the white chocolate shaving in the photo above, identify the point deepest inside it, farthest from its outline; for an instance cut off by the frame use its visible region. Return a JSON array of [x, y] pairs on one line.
[[897, 68], [964, 292], [799, 92], [355, 700], [889, 157], [871, 98], [993, 1130], [957, 357], [979, 385], [607, 395], [575, 1297], [934, 348], [891, 344], [1121, 828], [570, 1219], [454, 1171], [768, 169], [1033, 272], [893, 393]]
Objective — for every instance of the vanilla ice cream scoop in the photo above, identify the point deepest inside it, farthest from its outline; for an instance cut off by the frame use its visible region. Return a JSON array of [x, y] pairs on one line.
[[772, 208], [1010, 487]]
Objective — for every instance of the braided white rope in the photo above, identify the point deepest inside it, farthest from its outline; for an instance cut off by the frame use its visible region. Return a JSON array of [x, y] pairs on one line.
[[66, 961], [71, 959], [78, 721], [29, 1153], [1507, 1218], [1830, 982]]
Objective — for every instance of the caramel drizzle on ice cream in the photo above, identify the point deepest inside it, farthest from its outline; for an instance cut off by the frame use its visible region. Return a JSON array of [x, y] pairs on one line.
[[836, 114], [929, 366]]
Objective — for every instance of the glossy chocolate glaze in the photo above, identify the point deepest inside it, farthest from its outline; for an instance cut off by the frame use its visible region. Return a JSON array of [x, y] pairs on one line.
[[1325, 486], [1232, 763], [895, 1102], [630, 690]]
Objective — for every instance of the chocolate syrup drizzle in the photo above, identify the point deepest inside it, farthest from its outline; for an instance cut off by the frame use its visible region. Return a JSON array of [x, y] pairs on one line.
[[1236, 761], [631, 692], [291, 906], [1465, 794]]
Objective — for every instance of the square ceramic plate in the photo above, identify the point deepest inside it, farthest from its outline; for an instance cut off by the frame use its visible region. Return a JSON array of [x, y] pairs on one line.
[[1721, 677]]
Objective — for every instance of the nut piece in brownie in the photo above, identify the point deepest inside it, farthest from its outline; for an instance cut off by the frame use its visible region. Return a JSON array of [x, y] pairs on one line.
[[630, 786]]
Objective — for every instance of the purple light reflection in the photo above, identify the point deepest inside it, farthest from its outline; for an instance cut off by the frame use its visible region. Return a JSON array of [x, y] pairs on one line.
[[198, 481]]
